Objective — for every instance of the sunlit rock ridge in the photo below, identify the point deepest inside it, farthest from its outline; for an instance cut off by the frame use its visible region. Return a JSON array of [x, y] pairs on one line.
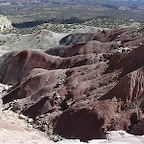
[[5, 24]]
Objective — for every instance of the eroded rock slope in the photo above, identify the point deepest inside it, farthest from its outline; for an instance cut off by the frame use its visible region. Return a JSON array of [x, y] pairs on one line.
[[91, 84]]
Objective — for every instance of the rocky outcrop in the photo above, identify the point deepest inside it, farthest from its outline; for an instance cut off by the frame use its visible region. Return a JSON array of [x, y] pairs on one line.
[[5, 24], [90, 47], [129, 88], [138, 129], [86, 119], [16, 65], [81, 90], [126, 37]]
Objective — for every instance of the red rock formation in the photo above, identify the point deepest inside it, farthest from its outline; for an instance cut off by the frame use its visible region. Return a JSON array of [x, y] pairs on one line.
[[86, 90], [129, 88], [138, 128], [17, 65], [90, 47], [126, 37], [104, 36], [86, 119], [128, 62]]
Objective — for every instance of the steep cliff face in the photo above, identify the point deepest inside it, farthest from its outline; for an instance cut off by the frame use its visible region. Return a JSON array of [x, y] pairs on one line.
[[5, 24]]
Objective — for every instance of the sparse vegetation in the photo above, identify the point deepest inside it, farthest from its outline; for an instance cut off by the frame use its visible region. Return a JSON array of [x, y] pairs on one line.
[[103, 15], [64, 17]]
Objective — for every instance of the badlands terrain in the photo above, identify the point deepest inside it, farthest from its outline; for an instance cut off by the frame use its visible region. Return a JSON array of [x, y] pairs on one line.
[[82, 85]]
